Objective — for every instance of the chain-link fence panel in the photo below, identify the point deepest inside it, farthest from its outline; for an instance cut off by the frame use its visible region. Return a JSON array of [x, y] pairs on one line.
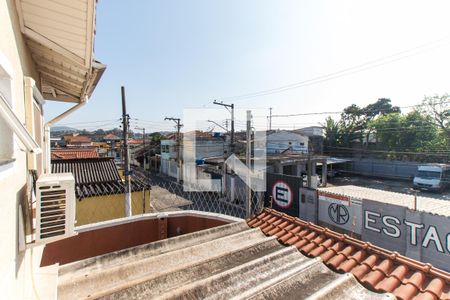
[[168, 195]]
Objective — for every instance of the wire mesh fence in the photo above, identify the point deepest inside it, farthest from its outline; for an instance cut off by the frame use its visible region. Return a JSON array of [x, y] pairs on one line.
[[168, 195]]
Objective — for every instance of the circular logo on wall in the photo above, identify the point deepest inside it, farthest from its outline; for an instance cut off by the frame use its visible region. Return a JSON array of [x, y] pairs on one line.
[[282, 194], [338, 213]]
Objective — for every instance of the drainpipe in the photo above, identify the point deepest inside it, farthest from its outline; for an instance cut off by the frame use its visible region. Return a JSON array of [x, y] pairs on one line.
[[47, 131]]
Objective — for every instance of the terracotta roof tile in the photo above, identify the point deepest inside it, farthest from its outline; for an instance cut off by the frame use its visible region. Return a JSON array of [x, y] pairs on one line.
[[77, 139], [376, 268], [73, 153]]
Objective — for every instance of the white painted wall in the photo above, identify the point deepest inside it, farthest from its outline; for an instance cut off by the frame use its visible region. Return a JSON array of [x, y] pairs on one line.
[[15, 60], [279, 141]]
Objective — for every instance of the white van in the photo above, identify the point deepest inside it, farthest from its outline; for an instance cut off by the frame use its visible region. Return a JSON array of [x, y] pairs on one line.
[[433, 177]]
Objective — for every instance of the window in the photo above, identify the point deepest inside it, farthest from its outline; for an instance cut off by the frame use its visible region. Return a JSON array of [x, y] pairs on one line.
[[429, 174], [10, 124]]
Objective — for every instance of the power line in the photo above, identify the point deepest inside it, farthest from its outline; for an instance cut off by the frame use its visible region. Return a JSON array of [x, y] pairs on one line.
[[88, 122], [339, 112], [344, 72]]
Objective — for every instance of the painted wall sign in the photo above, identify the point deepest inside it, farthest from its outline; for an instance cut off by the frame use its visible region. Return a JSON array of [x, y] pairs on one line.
[[282, 194], [340, 211], [419, 235]]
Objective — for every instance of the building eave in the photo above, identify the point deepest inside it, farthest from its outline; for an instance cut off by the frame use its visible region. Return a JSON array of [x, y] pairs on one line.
[[60, 37]]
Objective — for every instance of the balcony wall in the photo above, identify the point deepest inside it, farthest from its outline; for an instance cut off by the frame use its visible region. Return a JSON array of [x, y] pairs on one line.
[[101, 238]]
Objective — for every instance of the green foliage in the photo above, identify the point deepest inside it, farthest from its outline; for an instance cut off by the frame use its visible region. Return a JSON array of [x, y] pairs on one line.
[[422, 134], [156, 136], [332, 133]]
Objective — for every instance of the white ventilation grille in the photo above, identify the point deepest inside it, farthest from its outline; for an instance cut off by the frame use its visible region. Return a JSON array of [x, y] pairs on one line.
[[55, 207]]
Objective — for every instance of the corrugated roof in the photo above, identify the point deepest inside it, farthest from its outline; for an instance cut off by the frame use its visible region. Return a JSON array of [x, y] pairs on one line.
[[94, 176], [376, 268], [230, 261], [73, 153], [426, 204]]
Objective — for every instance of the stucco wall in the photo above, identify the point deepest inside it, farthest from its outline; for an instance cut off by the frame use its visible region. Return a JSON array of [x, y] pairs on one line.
[[14, 265], [103, 208]]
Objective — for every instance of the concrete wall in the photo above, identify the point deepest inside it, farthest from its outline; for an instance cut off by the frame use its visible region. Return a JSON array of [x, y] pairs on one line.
[[203, 148], [93, 241], [169, 167], [419, 235], [102, 208], [340, 212], [15, 266], [384, 168]]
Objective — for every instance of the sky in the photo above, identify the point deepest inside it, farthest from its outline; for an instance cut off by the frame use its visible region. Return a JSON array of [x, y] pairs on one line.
[[175, 55]]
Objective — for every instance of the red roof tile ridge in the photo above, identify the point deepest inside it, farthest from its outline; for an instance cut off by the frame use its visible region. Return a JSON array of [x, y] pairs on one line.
[[380, 264], [424, 267]]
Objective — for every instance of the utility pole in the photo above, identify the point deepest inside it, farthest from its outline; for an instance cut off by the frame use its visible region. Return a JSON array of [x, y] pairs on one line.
[[248, 162], [270, 118], [125, 118], [178, 122], [230, 108], [143, 143]]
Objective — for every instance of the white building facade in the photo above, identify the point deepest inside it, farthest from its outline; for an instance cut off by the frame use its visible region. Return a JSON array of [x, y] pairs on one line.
[[37, 61]]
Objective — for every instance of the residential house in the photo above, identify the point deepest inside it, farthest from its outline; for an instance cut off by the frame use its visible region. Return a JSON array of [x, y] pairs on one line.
[[195, 146], [73, 153], [46, 54], [113, 141], [284, 142], [77, 141], [100, 190], [315, 136], [40, 58]]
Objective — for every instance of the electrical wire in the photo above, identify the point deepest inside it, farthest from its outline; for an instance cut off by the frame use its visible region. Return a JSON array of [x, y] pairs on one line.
[[344, 72]]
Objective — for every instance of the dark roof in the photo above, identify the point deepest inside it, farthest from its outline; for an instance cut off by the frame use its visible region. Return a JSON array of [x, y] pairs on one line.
[[95, 176], [376, 268]]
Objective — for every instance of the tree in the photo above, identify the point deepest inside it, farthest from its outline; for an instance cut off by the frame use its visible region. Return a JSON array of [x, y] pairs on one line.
[[387, 129], [417, 132], [332, 133], [156, 136], [355, 121], [438, 109]]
